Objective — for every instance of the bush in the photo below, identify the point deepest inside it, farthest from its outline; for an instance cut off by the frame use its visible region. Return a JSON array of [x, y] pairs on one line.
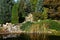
[[26, 25]]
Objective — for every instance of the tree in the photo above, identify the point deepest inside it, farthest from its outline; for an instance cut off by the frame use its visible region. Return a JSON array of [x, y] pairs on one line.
[[14, 17], [5, 13], [45, 13], [33, 4]]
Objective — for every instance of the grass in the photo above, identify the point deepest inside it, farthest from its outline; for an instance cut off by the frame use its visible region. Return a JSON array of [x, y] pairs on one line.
[[51, 25]]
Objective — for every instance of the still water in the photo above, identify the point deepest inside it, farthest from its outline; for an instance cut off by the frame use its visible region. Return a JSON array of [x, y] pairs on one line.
[[33, 37]]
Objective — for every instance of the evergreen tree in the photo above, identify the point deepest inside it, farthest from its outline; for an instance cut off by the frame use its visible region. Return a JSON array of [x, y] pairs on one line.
[[5, 11], [14, 17]]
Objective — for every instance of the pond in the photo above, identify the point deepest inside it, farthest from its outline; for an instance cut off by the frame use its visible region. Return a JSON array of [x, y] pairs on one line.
[[28, 37]]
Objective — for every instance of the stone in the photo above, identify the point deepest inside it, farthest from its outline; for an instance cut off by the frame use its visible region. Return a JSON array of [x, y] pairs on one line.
[[29, 17]]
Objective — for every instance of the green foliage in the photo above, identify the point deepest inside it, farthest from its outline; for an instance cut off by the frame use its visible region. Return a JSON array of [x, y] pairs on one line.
[[52, 24], [14, 18], [1, 21], [33, 2], [5, 13], [39, 15], [22, 7], [36, 16], [26, 25], [33, 5], [44, 14]]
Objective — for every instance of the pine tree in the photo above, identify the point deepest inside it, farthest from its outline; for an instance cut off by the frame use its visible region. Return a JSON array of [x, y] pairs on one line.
[[14, 17], [5, 11]]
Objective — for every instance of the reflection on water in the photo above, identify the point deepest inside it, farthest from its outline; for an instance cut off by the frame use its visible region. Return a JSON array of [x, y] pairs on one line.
[[33, 36]]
